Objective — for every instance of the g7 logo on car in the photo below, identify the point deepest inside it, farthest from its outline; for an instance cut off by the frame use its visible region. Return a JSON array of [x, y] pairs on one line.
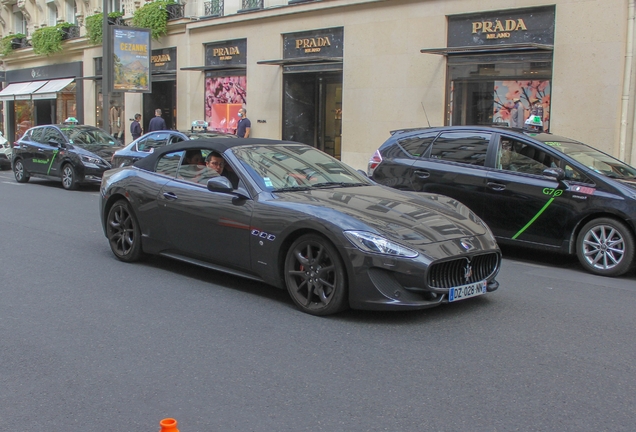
[[547, 191], [554, 192]]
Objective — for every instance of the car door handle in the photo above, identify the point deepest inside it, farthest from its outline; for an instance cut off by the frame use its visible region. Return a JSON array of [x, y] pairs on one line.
[[170, 195], [496, 186], [422, 174]]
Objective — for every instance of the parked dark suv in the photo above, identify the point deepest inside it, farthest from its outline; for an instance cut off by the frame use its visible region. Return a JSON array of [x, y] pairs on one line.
[[533, 189], [72, 153]]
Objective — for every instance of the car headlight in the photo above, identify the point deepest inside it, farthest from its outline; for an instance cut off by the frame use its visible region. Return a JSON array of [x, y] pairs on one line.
[[369, 242], [91, 160]]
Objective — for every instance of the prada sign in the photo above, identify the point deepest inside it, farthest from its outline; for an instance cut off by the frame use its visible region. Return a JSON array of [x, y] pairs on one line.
[[163, 60], [503, 27], [321, 43], [226, 53]]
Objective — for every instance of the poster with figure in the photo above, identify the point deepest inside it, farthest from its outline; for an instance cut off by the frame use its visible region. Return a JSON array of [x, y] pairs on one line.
[[533, 98], [224, 96]]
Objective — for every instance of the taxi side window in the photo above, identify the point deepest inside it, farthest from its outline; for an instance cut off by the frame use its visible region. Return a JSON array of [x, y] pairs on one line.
[[417, 146], [34, 135], [464, 147], [168, 163], [153, 141], [513, 155], [51, 134]]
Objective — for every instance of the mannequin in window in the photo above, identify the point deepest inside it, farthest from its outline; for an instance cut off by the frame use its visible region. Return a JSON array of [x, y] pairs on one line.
[[115, 119]]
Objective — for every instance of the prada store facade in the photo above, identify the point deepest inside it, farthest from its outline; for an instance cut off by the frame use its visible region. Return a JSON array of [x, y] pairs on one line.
[[342, 74]]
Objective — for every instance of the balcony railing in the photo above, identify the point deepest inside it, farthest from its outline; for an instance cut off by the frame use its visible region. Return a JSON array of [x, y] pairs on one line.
[[175, 11], [213, 8], [252, 4]]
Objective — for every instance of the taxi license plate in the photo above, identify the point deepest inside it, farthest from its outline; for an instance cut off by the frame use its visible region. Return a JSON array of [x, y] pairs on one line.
[[466, 291]]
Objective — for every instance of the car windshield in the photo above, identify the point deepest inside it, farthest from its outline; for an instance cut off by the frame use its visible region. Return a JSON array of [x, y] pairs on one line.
[[593, 159], [88, 137], [295, 167]]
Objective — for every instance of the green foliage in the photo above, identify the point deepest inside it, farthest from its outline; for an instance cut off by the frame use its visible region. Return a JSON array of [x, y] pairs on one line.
[[6, 43], [94, 26], [153, 16], [47, 40]]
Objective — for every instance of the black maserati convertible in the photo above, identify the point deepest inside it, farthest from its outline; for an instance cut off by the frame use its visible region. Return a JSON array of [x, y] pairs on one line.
[[293, 217]]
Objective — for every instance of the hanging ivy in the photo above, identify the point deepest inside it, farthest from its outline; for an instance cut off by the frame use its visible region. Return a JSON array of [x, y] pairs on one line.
[[7, 43], [47, 40], [153, 16], [94, 26]]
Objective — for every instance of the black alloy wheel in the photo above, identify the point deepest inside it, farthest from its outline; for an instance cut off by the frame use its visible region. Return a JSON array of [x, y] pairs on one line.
[[69, 178], [20, 173], [123, 232], [605, 247], [315, 276]]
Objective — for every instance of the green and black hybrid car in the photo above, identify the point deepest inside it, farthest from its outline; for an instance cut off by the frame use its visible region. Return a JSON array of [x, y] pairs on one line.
[[74, 154]]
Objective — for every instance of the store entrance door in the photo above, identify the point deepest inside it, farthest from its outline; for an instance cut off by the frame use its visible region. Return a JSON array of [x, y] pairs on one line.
[[164, 96], [312, 110]]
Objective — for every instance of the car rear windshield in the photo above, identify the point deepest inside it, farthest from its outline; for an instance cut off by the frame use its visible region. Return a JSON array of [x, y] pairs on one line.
[[594, 159], [83, 137]]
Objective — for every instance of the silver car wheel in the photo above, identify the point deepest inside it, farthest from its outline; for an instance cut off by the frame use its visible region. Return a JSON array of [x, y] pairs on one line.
[[604, 247]]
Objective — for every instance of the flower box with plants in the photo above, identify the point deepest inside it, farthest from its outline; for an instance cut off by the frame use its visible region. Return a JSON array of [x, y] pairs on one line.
[[48, 40], [12, 42], [94, 25], [154, 16]]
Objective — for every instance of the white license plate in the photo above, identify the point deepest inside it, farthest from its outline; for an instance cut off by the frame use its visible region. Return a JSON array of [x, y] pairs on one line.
[[466, 291]]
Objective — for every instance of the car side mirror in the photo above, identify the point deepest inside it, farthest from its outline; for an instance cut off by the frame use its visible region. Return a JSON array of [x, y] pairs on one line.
[[557, 173], [220, 184], [363, 173], [53, 143]]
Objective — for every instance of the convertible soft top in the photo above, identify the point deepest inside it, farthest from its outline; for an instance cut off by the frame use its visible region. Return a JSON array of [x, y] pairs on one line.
[[219, 145]]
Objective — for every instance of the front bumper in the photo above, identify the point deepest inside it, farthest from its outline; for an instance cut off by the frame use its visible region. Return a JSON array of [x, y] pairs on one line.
[[386, 283]]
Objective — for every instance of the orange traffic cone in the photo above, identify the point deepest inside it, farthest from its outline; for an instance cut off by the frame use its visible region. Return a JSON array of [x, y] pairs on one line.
[[168, 425]]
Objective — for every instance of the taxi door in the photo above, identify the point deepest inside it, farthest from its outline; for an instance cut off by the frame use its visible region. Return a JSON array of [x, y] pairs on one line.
[[455, 166], [523, 204]]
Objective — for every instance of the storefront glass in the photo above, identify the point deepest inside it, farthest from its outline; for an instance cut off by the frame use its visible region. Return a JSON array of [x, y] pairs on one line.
[[116, 112], [224, 97], [483, 90]]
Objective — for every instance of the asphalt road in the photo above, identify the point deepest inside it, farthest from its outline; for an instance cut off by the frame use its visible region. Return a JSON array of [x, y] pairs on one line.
[[88, 343]]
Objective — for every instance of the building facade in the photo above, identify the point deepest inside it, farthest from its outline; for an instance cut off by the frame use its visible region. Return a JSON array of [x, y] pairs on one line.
[[341, 74]]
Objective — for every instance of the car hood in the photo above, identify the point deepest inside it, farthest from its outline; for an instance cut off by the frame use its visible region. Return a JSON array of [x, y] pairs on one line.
[[417, 218], [103, 151]]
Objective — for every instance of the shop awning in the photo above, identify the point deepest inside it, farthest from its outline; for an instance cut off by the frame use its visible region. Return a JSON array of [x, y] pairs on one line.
[[34, 89], [488, 49], [301, 61], [9, 91], [51, 88], [214, 68], [25, 92]]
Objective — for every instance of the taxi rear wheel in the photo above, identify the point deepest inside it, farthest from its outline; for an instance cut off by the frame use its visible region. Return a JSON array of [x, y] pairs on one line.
[[20, 173], [605, 247], [123, 232], [315, 276]]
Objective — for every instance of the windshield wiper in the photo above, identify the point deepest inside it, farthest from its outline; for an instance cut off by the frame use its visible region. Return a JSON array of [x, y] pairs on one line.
[[337, 184], [292, 189]]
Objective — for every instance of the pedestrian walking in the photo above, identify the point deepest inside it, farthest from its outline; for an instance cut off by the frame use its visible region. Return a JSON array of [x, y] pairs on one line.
[[244, 127], [157, 123], [135, 127], [517, 114]]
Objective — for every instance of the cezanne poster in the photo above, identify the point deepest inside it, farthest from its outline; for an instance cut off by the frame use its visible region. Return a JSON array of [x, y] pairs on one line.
[[131, 60]]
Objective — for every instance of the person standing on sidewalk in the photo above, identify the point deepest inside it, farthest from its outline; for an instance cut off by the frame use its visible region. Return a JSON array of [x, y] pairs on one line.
[[244, 125], [135, 127], [157, 123]]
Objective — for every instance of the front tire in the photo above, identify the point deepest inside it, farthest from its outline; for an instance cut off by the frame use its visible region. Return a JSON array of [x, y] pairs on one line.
[[69, 177], [315, 276], [20, 173], [123, 232], [605, 247]]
